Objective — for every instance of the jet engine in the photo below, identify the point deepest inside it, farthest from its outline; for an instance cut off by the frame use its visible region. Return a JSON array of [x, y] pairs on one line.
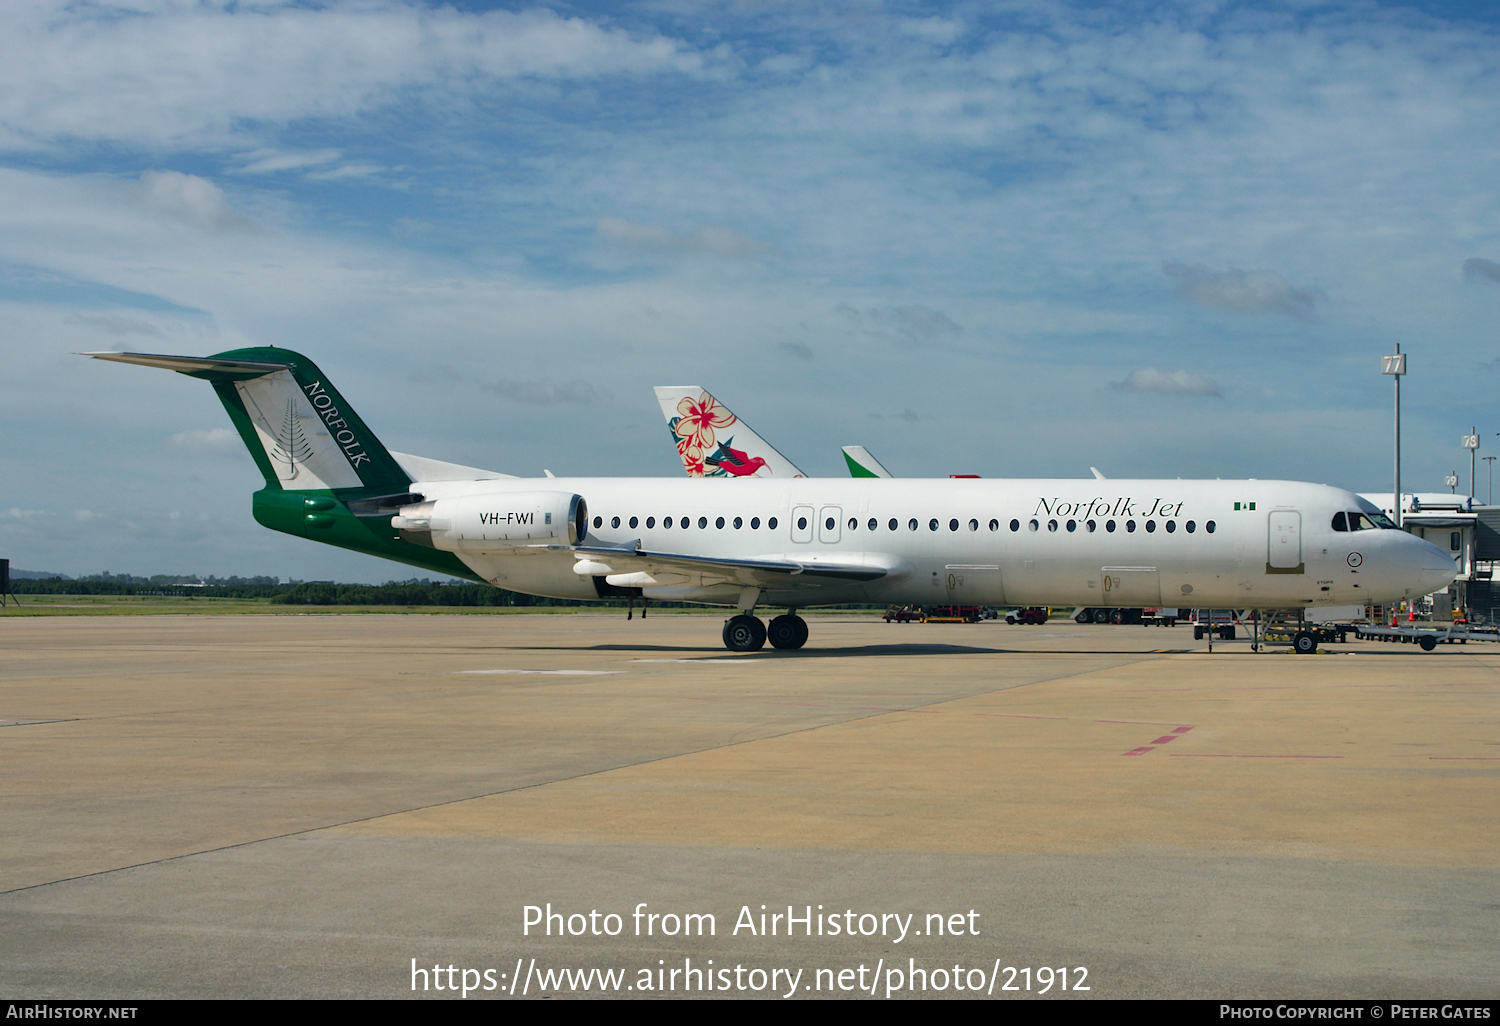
[[495, 522]]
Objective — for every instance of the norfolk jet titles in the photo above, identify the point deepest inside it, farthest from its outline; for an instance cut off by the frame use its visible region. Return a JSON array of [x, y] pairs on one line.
[[323, 403], [1102, 507]]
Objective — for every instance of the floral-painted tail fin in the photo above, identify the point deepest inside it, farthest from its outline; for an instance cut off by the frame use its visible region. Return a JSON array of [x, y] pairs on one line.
[[712, 442]]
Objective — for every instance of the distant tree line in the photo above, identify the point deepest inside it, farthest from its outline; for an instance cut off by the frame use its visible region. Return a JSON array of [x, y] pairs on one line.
[[312, 593]]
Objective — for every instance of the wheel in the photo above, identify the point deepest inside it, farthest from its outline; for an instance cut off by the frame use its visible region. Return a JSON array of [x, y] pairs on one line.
[[1082, 617], [1117, 617], [1304, 644], [1429, 643], [744, 633], [787, 632], [1101, 616]]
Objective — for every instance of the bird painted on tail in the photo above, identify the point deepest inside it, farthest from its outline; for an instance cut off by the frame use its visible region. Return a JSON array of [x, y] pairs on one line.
[[734, 461]]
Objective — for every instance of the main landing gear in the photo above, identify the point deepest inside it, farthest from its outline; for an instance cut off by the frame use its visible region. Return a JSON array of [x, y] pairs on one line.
[[746, 633]]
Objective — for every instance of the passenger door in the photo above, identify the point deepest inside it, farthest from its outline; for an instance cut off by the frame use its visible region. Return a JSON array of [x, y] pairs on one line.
[[1284, 545]]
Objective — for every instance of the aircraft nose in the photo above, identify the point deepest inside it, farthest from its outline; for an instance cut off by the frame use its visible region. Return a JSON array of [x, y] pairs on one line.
[[1437, 567]]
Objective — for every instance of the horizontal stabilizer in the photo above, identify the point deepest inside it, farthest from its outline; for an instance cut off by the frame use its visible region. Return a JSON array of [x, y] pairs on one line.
[[197, 366]]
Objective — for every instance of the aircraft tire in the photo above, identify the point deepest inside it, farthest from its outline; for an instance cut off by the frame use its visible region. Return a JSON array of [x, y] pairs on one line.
[[1428, 644], [787, 632], [1305, 644], [744, 633]]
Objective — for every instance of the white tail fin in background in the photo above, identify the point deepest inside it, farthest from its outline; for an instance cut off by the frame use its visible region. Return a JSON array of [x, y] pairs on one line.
[[712, 442]]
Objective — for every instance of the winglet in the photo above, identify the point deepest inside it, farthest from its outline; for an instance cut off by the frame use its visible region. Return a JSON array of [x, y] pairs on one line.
[[862, 464], [1098, 476]]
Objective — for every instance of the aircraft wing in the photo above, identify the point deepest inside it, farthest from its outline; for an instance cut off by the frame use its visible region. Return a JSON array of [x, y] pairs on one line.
[[759, 572]]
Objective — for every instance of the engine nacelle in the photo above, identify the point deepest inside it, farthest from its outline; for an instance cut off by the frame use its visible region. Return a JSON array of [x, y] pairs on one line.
[[495, 522]]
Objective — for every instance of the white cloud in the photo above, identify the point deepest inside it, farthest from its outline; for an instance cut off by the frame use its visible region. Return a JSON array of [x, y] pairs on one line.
[[160, 72], [1244, 291], [220, 441], [713, 239], [1178, 382], [193, 201], [268, 161]]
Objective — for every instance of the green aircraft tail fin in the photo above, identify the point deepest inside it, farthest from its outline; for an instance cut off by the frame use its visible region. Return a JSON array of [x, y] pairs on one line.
[[300, 431]]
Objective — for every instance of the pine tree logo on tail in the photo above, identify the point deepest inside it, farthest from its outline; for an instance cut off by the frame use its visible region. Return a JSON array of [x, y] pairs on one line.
[[292, 446]]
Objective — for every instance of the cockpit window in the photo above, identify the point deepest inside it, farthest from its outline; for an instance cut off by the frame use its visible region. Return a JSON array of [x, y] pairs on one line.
[[1364, 522], [1339, 523]]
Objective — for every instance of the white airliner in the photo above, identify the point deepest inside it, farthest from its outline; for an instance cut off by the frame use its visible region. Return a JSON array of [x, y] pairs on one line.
[[799, 542]]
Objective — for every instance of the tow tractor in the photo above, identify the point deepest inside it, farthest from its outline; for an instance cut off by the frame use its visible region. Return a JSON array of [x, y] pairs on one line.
[[1031, 614]]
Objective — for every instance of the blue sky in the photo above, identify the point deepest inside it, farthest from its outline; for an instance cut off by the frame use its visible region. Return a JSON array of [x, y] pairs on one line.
[[1165, 239]]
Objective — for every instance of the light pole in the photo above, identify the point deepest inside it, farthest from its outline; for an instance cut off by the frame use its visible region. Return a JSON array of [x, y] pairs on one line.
[[1471, 443], [1491, 461], [1396, 366]]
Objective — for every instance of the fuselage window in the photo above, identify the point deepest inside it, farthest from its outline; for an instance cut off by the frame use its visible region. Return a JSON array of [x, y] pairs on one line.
[[932, 524], [1150, 526], [1072, 526], [614, 522], [1130, 526], [911, 525], [771, 523], [892, 525], [666, 522], [598, 521], [1052, 525], [634, 521], [801, 523], [1092, 525], [1015, 525], [738, 523], [1171, 526], [1209, 526], [1339, 523], [873, 524], [702, 523], [719, 523], [1191, 527], [994, 525], [755, 524], [973, 525], [1109, 525], [1033, 525], [651, 522], [686, 523], [829, 523], [953, 525]]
